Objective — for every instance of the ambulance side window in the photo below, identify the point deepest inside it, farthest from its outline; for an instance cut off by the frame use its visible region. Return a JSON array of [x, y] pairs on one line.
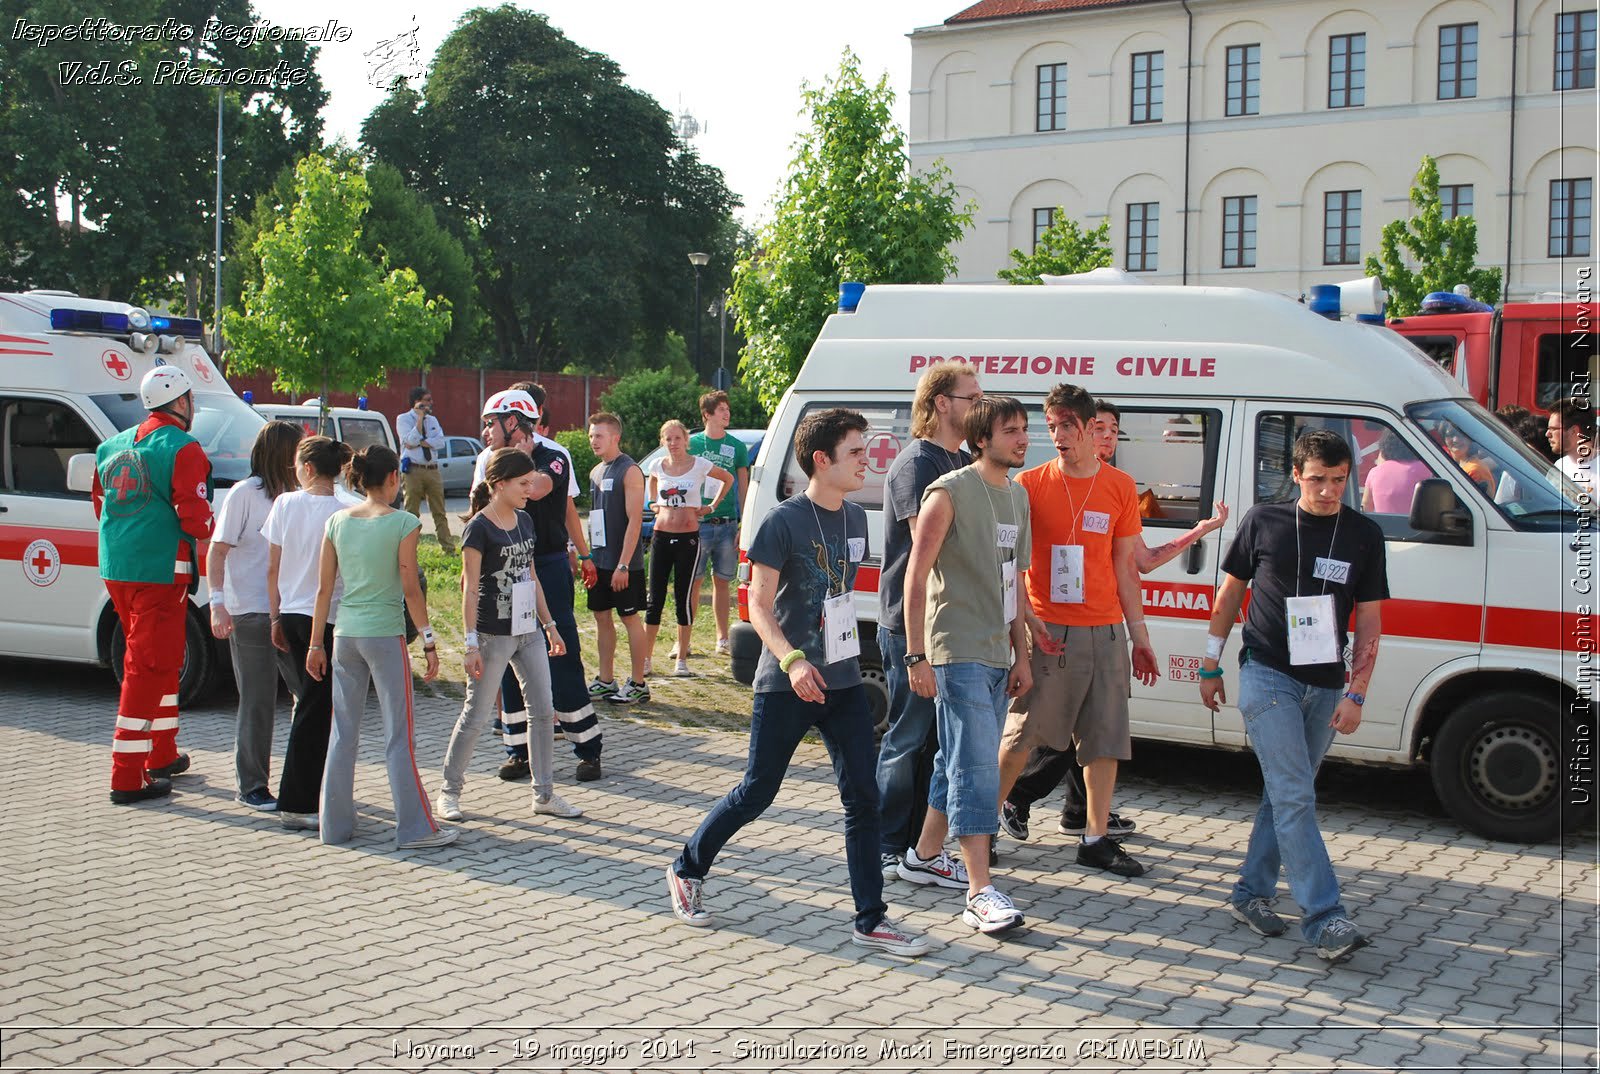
[[40, 436], [362, 433], [1384, 475], [1172, 458]]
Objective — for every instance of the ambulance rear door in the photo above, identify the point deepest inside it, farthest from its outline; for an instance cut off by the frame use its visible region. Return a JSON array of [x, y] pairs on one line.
[[50, 588], [1176, 451], [1436, 581]]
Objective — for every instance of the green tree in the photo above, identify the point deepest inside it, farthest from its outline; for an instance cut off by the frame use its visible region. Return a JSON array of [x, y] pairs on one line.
[[1445, 252], [109, 189], [326, 315], [644, 400], [1063, 249], [581, 222], [850, 209]]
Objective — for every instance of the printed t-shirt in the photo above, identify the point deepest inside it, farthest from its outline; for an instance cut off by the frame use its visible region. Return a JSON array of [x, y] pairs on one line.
[[1091, 512], [796, 539], [681, 490], [966, 611], [912, 471], [244, 576], [507, 559], [1264, 553], [728, 452], [296, 524], [573, 490], [369, 563]]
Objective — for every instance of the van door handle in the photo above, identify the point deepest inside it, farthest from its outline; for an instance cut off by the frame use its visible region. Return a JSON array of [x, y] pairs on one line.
[[1196, 558]]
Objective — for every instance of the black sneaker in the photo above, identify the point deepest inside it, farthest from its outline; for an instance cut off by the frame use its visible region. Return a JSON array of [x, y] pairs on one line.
[[174, 768], [1014, 821], [588, 771], [515, 769], [259, 800], [155, 788], [1106, 853], [1117, 825], [1339, 940]]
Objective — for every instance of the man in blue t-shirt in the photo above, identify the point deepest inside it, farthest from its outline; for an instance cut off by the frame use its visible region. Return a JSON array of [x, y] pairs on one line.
[[1310, 564], [803, 561]]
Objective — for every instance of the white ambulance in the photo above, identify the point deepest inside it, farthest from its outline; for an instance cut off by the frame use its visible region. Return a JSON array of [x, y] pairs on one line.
[[69, 378], [1489, 636]]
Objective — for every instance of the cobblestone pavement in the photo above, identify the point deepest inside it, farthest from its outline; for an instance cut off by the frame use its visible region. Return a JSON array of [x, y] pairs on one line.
[[196, 934]]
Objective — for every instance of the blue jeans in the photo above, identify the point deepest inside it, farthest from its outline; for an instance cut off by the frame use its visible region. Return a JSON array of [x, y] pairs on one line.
[[911, 721], [778, 721], [1289, 730], [972, 706], [719, 544]]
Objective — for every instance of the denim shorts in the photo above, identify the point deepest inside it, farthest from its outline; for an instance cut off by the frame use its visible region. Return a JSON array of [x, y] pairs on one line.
[[720, 545], [971, 707]]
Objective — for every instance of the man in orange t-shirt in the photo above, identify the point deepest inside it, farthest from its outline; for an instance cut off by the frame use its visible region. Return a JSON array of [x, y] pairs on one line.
[[1082, 583]]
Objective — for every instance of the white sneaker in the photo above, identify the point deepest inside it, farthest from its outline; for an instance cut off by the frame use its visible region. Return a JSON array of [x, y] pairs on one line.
[[990, 911], [942, 870], [685, 896], [682, 670], [556, 806], [723, 648], [895, 939], [448, 806], [441, 838], [647, 668]]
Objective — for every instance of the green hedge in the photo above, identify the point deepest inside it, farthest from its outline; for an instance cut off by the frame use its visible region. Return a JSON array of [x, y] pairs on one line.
[[645, 400], [576, 441]]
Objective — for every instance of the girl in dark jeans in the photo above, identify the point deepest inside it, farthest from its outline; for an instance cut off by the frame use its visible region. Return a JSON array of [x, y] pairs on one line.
[[294, 531], [677, 483]]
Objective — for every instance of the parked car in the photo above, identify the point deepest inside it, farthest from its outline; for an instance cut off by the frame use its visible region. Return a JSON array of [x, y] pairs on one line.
[[357, 427], [752, 441], [455, 464]]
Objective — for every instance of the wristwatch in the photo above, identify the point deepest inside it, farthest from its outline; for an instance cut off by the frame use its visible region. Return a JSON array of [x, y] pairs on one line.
[[913, 659], [1358, 699]]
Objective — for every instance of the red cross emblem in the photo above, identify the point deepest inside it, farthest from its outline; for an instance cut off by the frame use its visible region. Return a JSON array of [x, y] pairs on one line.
[[41, 562], [127, 483], [202, 368], [124, 482], [116, 365], [881, 450]]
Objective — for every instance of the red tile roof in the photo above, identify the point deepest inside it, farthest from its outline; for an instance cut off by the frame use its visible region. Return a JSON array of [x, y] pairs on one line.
[[1006, 9]]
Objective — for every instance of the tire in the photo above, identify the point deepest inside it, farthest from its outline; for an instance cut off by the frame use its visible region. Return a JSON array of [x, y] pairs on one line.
[[201, 667], [1496, 766], [873, 678]]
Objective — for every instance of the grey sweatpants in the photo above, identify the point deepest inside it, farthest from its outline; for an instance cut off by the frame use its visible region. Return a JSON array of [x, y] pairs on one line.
[[385, 663], [526, 656], [256, 667]]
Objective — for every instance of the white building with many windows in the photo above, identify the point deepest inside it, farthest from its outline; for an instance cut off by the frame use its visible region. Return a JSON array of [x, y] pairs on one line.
[[1264, 143]]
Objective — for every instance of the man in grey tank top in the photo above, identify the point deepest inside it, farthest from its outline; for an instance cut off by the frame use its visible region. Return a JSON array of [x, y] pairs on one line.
[[616, 521]]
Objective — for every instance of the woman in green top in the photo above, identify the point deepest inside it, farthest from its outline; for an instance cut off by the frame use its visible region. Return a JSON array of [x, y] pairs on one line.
[[373, 549]]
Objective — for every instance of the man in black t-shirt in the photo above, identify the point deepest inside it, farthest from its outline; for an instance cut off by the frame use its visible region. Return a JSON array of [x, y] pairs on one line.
[[1310, 563]]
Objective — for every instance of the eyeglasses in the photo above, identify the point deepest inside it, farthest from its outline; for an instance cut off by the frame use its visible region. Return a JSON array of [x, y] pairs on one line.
[[968, 398]]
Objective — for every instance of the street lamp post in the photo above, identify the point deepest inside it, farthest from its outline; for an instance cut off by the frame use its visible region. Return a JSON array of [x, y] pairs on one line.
[[719, 310], [698, 260]]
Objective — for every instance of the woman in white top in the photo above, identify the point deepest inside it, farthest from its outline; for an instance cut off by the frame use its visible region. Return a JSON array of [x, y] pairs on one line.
[[294, 533], [236, 571], [677, 484]]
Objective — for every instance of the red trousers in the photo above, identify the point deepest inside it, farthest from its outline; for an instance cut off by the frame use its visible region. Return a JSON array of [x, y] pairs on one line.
[[153, 623]]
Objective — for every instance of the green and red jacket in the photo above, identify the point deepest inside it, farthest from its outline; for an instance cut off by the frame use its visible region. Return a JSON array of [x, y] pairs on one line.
[[150, 494]]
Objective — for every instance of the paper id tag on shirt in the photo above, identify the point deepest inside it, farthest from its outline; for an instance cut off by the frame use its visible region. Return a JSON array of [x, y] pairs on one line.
[[839, 638], [1008, 587], [1312, 637], [1066, 573], [597, 529], [1005, 536], [713, 488], [524, 608], [1336, 571], [856, 548], [1096, 522]]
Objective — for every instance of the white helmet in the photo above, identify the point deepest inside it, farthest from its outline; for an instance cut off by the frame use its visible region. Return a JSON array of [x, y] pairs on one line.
[[162, 385], [512, 401]]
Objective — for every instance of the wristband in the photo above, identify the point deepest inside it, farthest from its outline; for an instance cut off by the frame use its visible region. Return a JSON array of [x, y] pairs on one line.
[[551, 625], [1214, 646], [471, 639], [217, 598], [1204, 674], [789, 659], [427, 636], [314, 649], [584, 557], [1358, 699]]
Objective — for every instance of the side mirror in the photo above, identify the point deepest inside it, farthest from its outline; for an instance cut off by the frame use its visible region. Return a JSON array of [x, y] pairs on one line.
[[80, 473], [1435, 508]]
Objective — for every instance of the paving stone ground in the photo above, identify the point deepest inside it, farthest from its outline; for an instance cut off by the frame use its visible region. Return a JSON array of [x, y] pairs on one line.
[[195, 934]]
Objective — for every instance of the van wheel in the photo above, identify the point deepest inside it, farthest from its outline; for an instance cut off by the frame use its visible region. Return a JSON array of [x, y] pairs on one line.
[[200, 664], [877, 684], [1496, 766]]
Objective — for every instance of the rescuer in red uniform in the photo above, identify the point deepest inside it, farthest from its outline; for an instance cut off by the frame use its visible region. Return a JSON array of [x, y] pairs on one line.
[[150, 494]]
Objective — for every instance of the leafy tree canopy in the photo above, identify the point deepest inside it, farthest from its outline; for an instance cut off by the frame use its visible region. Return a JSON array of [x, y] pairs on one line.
[[325, 314], [1445, 252], [1064, 249], [851, 209]]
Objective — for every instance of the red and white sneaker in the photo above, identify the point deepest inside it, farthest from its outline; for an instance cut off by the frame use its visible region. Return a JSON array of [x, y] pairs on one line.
[[887, 936], [685, 895]]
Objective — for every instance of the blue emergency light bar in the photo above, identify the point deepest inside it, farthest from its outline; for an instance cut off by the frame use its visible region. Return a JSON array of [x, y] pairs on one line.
[[119, 324], [1450, 302]]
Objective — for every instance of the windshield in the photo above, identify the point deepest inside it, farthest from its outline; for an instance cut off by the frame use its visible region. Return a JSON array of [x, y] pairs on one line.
[[224, 424], [1529, 492]]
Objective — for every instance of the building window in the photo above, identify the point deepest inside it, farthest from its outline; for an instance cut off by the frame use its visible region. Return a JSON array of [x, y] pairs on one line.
[[1043, 219], [1149, 85], [1239, 232], [1347, 70], [1575, 50], [1458, 61], [1455, 201], [1052, 115], [1571, 203], [1244, 80], [1144, 231], [1341, 227]]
